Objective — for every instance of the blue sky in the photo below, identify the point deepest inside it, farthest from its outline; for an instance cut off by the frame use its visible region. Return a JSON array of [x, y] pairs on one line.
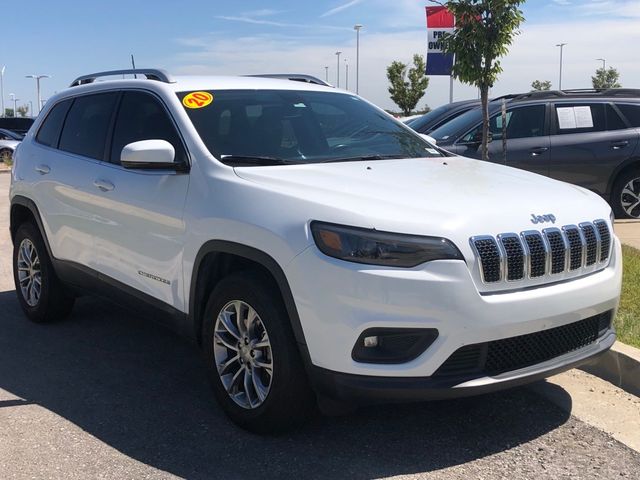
[[68, 38]]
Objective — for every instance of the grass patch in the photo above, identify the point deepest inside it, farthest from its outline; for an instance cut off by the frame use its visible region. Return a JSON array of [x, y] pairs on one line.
[[627, 321]]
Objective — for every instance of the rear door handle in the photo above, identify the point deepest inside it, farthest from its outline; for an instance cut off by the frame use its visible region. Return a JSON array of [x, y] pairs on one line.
[[43, 169], [619, 145], [538, 151], [104, 185]]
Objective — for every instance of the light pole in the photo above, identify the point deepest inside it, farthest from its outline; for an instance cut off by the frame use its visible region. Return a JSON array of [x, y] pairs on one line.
[[326, 74], [2, 89], [38, 77], [31, 108], [346, 75], [604, 63], [561, 45], [15, 104], [338, 71], [357, 27]]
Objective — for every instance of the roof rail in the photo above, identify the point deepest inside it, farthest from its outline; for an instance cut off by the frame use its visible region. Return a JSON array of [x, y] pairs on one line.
[[149, 73], [576, 92], [296, 77]]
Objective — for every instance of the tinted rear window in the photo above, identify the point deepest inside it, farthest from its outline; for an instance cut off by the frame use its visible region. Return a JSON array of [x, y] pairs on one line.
[[49, 132], [85, 130], [632, 112]]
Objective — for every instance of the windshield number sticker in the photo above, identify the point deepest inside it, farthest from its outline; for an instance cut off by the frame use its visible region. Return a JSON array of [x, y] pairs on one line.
[[197, 99]]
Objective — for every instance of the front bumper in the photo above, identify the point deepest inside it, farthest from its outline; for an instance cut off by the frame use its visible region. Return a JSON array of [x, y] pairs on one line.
[[364, 389], [337, 301]]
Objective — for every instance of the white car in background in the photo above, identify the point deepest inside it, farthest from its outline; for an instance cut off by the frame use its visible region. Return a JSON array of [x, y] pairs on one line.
[[9, 141], [315, 248]]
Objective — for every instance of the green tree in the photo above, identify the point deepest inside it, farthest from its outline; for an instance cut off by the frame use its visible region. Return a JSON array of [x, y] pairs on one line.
[[484, 31], [606, 78], [8, 112], [22, 110], [407, 84], [540, 85]]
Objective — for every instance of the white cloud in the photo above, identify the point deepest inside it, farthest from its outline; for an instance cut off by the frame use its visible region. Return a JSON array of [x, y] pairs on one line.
[[533, 56], [340, 8]]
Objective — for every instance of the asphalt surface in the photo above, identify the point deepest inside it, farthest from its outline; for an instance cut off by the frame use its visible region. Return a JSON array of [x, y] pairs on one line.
[[110, 395]]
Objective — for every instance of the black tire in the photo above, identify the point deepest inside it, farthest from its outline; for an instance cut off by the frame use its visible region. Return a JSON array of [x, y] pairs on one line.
[[289, 400], [54, 303], [617, 197]]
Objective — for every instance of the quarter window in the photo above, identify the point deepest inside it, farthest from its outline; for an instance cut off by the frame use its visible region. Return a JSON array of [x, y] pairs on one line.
[[49, 132], [632, 112], [614, 122], [85, 130], [142, 117]]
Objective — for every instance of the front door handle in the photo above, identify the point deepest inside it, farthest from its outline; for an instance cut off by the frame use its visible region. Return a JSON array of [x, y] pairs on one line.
[[43, 169], [104, 185], [619, 145], [538, 151]]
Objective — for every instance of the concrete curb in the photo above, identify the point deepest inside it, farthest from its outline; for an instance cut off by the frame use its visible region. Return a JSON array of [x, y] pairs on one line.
[[619, 366]]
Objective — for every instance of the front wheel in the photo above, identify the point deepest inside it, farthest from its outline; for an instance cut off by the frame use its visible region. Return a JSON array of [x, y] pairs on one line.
[[252, 357], [6, 156], [625, 196], [40, 293]]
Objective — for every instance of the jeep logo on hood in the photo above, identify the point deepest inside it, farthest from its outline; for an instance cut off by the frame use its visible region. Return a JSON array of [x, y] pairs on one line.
[[535, 219]]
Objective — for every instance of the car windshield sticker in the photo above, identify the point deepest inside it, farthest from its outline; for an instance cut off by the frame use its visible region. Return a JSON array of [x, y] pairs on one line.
[[432, 151], [574, 117], [197, 99]]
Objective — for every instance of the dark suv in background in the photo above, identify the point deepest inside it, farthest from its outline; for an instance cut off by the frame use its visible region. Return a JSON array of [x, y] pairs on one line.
[[437, 117], [585, 137]]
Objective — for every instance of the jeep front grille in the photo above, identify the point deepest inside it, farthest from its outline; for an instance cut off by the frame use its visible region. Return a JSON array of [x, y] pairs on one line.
[[571, 250]]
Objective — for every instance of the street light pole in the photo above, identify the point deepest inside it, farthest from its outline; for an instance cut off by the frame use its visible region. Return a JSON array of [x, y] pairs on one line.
[[2, 89], [338, 71], [357, 27], [15, 104], [31, 108], [37, 78], [326, 74], [604, 63], [346, 75], [561, 45]]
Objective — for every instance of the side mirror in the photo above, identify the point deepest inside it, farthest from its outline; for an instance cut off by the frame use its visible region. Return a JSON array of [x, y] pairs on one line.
[[149, 155], [429, 139]]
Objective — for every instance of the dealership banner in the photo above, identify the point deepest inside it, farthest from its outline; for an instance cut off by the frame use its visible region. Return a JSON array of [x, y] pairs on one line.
[[439, 21]]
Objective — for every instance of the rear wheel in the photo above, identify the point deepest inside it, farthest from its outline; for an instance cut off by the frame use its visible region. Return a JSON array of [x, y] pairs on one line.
[[626, 195], [252, 358], [40, 293]]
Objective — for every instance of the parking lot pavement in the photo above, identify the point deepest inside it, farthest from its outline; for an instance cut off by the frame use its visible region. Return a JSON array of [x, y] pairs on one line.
[[108, 394]]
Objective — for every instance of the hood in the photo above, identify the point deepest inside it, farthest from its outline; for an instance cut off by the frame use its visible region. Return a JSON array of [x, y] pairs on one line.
[[453, 197]]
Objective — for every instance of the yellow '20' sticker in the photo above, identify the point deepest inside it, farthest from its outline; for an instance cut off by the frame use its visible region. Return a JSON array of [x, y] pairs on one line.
[[197, 99]]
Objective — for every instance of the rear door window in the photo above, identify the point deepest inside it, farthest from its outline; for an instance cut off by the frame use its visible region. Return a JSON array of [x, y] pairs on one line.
[[614, 121], [87, 124], [49, 132], [631, 112], [142, 117], [580, 118]]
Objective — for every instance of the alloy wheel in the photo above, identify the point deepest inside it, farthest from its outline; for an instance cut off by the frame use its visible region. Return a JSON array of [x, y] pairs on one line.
[[242, 352], [5, 156], [630, 198], [29, 273]]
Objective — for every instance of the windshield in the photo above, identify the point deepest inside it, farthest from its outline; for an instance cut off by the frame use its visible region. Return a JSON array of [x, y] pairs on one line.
[[449, 130], [282, 126]]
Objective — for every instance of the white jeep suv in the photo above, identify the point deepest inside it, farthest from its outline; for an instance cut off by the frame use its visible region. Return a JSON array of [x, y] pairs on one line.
[[314, 247]]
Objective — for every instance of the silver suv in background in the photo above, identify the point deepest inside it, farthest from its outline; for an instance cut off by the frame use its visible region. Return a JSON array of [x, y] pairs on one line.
[[586, 137]]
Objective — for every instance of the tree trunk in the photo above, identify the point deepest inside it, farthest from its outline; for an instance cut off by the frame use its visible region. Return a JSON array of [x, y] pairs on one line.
[[484, 98]]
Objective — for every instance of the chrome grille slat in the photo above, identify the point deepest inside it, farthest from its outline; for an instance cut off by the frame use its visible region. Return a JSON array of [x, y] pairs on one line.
[[571, 250]]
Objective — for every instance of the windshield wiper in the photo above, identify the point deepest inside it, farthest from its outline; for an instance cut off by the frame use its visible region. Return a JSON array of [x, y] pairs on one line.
[[363, 158], [255, 160]]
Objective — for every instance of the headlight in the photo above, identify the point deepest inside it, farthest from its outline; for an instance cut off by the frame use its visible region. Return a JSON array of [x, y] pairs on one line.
[[372, 247]]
